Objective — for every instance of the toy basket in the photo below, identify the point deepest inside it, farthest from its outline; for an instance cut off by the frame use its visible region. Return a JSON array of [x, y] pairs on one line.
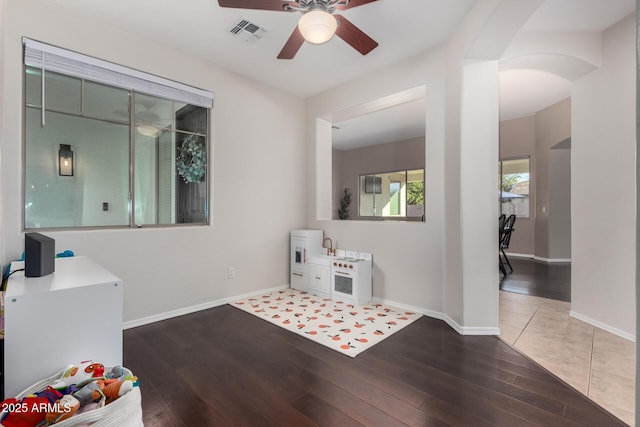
[[125, 411]]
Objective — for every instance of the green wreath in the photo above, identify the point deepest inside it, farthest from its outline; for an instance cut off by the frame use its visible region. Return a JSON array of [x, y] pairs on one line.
[[192, 159]]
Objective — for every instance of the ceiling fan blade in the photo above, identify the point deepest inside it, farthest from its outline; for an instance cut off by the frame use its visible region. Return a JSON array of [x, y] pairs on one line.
[[256, 4], [292, 45], [354, 3], [354, 36]]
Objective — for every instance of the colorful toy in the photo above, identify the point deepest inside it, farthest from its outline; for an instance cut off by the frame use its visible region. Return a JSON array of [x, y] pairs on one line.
[[91, 392], [50, 393], [87, 386], [80, 375], [63, 409], [24, 412], [113, 388], [116, 372]]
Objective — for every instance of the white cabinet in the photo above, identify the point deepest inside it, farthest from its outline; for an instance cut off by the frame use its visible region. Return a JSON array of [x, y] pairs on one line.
[[319, 280], [299, 280], [71, 315]]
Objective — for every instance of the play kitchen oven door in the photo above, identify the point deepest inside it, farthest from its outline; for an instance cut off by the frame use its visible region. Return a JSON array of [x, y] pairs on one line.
[[343, 284], [351, 281]]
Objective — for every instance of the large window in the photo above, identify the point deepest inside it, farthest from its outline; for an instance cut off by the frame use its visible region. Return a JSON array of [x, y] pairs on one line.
[[105, 155], [392, 195], [513, 192]]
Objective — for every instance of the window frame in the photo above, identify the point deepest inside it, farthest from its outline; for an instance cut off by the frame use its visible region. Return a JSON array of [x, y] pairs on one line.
[[500, 180], [399, 218], [131, 147]]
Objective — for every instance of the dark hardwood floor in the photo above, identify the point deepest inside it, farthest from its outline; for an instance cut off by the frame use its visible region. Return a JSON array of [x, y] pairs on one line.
[[539, 279], [224, 367]]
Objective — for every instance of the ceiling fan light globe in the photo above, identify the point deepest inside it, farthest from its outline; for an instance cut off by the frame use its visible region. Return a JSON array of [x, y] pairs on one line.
[[148, 130], [317, 26]]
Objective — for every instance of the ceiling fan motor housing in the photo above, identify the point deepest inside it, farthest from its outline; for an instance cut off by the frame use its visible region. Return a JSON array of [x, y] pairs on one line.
[[328, 6]]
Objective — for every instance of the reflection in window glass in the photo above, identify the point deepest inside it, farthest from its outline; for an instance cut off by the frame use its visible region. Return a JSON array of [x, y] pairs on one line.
[[63, 93], [415, 193], [392, 195], [163, 182], [33, 86], [514, 187], [106, 102], [101, 172]]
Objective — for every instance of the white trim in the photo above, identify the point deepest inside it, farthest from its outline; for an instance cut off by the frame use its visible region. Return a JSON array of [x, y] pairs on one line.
[[539, 258], [194, 308], [552, 260], [515, 255], [603, 326], [462, 330], [48, 57]]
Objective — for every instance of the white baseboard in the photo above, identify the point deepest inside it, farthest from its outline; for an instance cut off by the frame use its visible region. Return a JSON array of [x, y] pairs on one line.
[[539, 258], [194, 308], [604, 326], [552, 260], [462, 330], [517, 255]]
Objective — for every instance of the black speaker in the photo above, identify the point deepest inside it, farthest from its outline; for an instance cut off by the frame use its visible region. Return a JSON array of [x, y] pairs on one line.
[[39, 255]]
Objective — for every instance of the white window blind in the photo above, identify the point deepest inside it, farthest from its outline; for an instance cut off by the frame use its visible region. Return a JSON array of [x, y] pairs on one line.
[[52, 58]]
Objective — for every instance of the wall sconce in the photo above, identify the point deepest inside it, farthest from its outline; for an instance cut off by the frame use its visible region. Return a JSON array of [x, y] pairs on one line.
[[65, 160]]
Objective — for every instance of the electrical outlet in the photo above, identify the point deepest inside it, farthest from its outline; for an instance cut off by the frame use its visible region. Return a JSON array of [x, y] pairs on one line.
[[231, 273]]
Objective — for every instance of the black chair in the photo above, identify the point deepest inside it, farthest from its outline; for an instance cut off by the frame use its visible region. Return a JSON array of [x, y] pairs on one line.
[[504, 233]]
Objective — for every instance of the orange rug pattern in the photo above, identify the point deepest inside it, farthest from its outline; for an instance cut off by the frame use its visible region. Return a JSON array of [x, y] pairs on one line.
[[343, 327]]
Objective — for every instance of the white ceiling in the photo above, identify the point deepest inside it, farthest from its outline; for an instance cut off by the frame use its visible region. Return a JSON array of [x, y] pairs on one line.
[[201, 28], [524, 92], [402, 29], [399, 123]]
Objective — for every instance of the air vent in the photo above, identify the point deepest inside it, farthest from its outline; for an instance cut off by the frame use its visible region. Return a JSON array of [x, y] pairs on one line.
[[247, 31]]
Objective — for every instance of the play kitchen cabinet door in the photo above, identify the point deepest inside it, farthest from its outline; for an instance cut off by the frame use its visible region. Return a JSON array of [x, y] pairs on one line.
[[63, 318], [319, 280], [299, 280]]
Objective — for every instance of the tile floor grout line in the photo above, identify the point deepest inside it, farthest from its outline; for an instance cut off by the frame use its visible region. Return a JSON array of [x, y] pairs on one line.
[[529, 321]]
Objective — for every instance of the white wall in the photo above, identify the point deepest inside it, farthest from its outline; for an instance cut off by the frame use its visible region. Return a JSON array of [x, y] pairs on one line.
[[420, 264], [254, 202], [479, 157], [3, 102], [407, 255], [560, 204], [603, 185], [553, 125]]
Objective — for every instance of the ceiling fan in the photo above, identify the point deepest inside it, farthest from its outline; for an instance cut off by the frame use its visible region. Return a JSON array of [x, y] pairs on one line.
[[318, 23]]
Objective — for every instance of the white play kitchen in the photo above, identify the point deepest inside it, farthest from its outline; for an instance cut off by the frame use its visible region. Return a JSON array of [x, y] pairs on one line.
[[336, 274]]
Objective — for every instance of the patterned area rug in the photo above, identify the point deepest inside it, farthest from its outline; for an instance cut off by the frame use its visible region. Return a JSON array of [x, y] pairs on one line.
[[342, 327]]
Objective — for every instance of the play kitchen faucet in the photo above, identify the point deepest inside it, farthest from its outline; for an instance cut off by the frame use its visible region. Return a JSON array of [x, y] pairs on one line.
[[330, 249]]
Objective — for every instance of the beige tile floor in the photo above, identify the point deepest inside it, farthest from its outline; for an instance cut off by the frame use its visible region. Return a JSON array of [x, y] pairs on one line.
[[597, 363]]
